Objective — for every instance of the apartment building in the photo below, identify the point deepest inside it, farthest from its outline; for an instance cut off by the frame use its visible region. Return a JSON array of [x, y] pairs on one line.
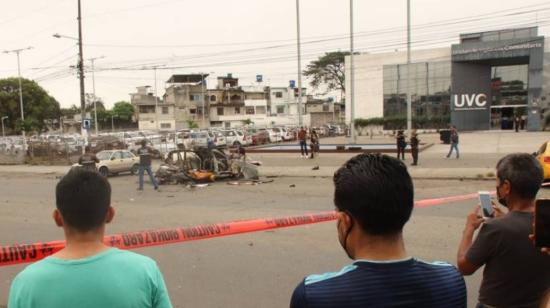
[[152, 113]]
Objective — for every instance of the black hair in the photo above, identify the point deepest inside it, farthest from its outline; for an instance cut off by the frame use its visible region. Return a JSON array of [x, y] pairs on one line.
[[523, 172], [83, 197], [377, 191]]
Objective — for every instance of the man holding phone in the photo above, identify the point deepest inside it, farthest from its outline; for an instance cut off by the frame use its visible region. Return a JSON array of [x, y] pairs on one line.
[[516, 273]]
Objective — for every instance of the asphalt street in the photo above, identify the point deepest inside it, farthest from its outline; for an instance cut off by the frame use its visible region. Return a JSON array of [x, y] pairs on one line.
[[249, 270]]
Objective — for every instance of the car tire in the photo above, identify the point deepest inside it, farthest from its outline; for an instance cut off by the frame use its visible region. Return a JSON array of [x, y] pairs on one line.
[[135, 169], [104, 171]]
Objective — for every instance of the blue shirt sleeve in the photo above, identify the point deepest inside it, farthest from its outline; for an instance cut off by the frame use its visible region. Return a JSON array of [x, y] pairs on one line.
[[298, 299]]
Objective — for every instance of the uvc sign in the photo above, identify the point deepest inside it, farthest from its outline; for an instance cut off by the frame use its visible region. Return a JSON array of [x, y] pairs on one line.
[[470, 101]]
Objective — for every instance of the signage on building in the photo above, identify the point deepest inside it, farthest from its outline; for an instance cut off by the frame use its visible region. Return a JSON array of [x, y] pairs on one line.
[[474, 101], [490, 49]]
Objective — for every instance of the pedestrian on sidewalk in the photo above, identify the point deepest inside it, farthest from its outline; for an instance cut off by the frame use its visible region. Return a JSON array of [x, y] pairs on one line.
[[523, 121], [414, 147], [145, 153], [516, 122], [302, 137], [454, 142], [88, 160], [401, 144], [314, 143]]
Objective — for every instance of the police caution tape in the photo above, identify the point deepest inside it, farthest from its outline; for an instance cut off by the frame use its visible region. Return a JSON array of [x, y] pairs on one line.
[[16, 254]]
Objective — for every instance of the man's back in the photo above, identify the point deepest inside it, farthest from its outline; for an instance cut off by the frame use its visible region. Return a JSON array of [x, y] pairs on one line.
[[406, 283], [113, 278], [516, 274]]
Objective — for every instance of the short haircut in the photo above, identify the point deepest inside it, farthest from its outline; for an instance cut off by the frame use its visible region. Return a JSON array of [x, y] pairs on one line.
[[83, 197], [377, 191], [523, 172]]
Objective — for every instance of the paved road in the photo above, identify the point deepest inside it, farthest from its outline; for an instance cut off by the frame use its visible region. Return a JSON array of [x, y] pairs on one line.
[[248, 270]]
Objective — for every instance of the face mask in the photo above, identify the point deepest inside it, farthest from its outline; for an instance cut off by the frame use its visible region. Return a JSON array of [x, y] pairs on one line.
[[344, 242], [500, 199]]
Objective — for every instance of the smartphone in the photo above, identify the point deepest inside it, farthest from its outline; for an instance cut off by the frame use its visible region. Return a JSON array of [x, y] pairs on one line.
[[542, 223], [486, 204]]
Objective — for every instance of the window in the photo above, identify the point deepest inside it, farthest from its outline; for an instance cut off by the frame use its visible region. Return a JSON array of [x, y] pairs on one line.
[[325, 107], [213, 98], [249, 110], [127, 155], [192, 111], [220, 110], [260, 109], [146, 109], [278, 94], [280, 109], [164, 110], [117, 155], [237, 110], [165, 125], [195, 97]]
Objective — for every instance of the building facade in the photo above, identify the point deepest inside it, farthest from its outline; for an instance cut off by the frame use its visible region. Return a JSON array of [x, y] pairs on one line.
[[481, 83]]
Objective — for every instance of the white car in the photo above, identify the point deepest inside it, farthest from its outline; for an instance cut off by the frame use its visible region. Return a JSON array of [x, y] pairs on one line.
[[286, 134], [274, 134], [117, 161]]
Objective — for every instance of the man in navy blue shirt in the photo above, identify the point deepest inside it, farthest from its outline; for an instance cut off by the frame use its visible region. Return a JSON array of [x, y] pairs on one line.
[[374, 197]]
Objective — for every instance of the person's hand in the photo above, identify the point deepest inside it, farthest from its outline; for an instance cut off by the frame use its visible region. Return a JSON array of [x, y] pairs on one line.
[[545, 250], [498, 211], [474, 220]]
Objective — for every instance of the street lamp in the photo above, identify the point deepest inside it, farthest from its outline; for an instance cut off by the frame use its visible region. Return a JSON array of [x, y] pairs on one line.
[[17, 52], [93, 89], [3, 118], [80, 70]]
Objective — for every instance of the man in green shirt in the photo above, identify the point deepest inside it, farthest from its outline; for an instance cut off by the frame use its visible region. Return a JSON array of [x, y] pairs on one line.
[[87, 273]]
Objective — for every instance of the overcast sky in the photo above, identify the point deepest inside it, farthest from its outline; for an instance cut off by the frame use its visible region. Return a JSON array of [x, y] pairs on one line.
[[243, 37]]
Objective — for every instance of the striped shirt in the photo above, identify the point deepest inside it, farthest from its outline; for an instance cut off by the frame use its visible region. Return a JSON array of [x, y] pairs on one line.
[[401, 283]]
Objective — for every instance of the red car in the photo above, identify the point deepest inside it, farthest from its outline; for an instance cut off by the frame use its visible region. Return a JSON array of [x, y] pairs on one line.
[[258, 137]]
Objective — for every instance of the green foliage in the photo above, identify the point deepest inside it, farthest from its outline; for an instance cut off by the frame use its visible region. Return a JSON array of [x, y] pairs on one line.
[[38, 105], [328, 70], [247, 122], [192, 124], [123, 111], [400, 122]]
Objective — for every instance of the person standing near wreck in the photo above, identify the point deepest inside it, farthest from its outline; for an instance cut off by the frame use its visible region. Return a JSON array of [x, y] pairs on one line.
[[145, 153]]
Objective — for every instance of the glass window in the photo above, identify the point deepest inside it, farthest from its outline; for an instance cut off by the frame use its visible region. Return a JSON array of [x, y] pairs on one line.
[[280, 109], [220, 110], [165, 125], [164, 110], [249, 110], [117, 155], [237, 110], [278, 94], [212, 98], [127, 155]]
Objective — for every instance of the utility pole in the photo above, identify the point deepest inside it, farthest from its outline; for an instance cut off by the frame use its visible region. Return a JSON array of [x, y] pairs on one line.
[[409, 102], [81, 76], [93, 90], [2, 120], [203, 100], [352, 77], [300, 122], [156, 101], [17, 52]]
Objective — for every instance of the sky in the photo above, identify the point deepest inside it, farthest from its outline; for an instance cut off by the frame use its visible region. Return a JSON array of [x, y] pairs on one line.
[[242, 37]]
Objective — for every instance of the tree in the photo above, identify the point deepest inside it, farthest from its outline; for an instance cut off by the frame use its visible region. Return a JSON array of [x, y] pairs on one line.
[[328, 70], [39, 107], [123, 111], [192, 124]]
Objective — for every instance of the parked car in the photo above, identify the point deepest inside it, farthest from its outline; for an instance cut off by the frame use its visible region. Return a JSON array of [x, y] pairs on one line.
[[199, 139], [219, 139], [236, 137], [543, 156], [286, 134], [117, 161], [259, 136], [245, 138]]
